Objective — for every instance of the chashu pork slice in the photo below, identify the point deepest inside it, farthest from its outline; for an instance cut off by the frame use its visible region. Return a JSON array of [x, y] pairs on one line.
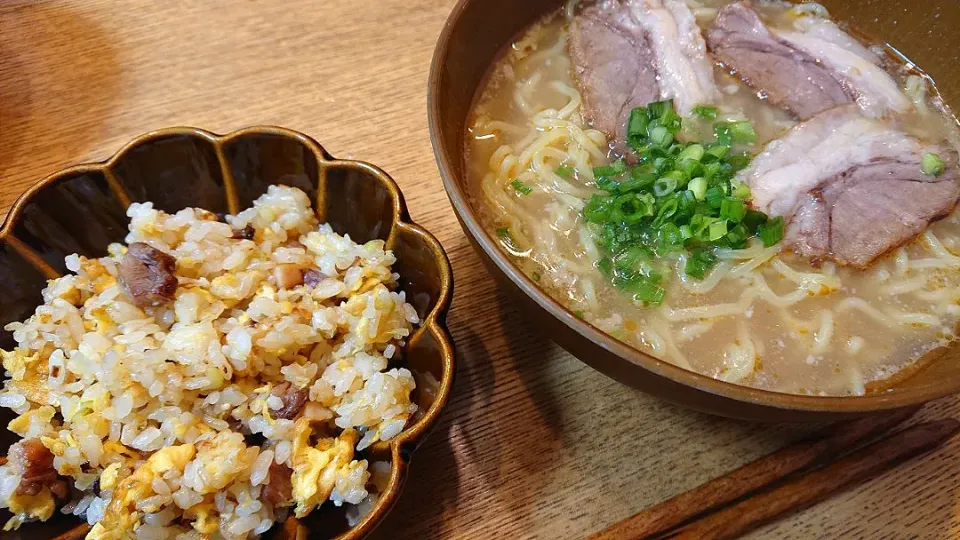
[[851, 188], [628, 53], [808, 69]]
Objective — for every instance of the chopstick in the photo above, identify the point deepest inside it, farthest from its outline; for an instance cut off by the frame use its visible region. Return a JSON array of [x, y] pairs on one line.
[[806, 490], [753, 476]]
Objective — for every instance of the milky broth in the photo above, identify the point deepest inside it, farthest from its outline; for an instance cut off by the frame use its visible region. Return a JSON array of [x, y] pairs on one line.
[[761, 318]]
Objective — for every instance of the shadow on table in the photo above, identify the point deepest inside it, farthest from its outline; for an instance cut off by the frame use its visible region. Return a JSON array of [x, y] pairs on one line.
[[59, 77]]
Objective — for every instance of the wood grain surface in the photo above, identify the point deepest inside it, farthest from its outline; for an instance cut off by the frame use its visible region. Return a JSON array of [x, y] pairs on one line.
[[533, 444]]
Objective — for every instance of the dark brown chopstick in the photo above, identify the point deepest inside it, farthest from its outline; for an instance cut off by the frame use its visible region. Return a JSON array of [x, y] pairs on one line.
[[806, 490], [753, 476]]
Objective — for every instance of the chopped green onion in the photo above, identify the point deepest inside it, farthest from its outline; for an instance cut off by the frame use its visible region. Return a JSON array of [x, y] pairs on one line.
[[667, 211], [672, 121], [717, 230], [690, 168], [664, 186], [699, 263], [737, 237], [705, 112], [740, 190], [931, 164], [733, 209], [658, 109], [711, 170], [660, 136], [671, 239], [687, 202], [632, 207], [503, 233], [564, 171], [698, 186], [693, 152], [677, 175], [637, 127], [521, 188], [629, 259], [716, 152], [753, 220], [714, 197], [677, 197], [723, 134], [637, 181], [605, 266], [771, 232], [607, 184], [645, 291], [743, 132], [597, 209], [738, 162], [614, 169]]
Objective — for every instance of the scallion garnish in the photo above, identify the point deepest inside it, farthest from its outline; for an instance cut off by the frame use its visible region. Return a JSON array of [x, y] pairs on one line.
[[664, 186], [733, 209], [931, 164], [698, 186], [740, 190], [677, 197], [743, 132], [721, 131], [699, 262], [564, 171], [771, 232], [707, 113], [609, 171], [714, 196], [521, 188], [660, 136], [693, 152]]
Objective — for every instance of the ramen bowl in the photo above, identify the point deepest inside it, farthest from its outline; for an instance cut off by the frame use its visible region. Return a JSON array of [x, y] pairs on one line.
[[82, 210], [474, 38]]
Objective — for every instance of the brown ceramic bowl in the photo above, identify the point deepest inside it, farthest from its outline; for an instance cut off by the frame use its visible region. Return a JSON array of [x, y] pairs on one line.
[[82, 210], [475, 36]]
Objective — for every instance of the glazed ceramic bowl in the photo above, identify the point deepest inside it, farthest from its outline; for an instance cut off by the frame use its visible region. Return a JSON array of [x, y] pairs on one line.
[[82, 210], [476, 34]]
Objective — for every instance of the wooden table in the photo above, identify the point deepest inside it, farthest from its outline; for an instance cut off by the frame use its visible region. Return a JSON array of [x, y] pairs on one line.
[[533, 443]]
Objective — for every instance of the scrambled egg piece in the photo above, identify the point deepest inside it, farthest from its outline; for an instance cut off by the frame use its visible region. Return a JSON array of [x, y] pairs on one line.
[[98, 275], [204, 517], [121, 516], [115, 447], [315, 469], [100, 320], [109, 477], [222, 460], [56, 445], [42, 416], [27, 507], [27, 374]]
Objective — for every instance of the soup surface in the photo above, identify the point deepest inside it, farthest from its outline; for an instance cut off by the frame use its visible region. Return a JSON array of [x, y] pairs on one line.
[[762, 316]]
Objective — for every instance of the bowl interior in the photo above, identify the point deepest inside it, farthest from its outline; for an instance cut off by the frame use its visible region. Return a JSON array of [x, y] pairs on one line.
[[478, 32], [82, 210]]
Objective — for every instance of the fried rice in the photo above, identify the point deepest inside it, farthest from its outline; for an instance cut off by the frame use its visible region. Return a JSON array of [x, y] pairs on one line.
[[210, 377]]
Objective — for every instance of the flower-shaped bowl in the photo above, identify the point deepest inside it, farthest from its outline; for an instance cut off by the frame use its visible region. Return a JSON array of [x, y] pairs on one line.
[[83, 209]]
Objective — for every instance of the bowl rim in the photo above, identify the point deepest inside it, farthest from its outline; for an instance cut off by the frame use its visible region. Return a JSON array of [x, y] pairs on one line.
[[401, 447], [446, 159]]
